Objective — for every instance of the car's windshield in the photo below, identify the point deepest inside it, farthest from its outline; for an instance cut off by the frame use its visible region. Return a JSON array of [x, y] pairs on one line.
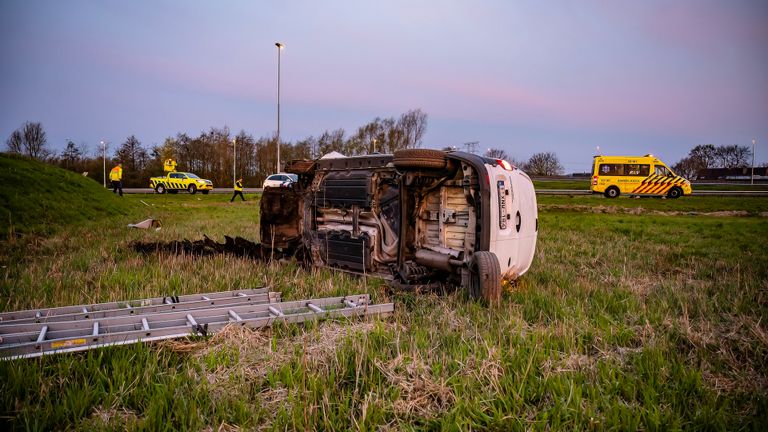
[[662, 171], [190, 175]]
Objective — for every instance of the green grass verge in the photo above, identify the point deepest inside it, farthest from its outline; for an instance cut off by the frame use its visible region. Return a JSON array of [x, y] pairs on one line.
[[625, 322], [39, 198], [583, 184]]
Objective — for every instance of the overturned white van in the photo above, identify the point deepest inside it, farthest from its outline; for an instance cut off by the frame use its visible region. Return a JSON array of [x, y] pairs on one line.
[[418, 217]]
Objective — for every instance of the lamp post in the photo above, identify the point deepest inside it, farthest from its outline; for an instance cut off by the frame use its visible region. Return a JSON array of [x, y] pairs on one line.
[[104, 162], [234, 163], [279, 49], [752, 177]]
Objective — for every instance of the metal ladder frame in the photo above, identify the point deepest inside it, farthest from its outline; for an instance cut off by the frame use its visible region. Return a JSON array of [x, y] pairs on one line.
[[34, 339]]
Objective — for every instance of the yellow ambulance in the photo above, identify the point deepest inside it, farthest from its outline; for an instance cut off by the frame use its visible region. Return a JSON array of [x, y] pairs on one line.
[[636, 176]]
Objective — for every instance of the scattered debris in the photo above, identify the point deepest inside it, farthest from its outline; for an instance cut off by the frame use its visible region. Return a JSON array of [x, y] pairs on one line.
[[147, 224]]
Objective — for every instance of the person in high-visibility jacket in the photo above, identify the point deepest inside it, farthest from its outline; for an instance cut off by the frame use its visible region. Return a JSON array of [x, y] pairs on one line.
[[116, 177], [238, 190]]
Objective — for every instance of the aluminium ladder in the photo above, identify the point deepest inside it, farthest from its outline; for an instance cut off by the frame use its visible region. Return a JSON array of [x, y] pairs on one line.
[[68, 331]]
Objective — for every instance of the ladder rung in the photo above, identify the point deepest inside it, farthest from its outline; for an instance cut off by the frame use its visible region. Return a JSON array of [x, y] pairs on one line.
[[95, 328], [234, 315], [275, 312], [43, 331], [314, 308], [145, 324], [191, 320]]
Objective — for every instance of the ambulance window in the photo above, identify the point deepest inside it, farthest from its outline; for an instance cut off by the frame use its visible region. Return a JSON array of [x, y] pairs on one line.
[[611, 169], [662, 171], [637, 170]]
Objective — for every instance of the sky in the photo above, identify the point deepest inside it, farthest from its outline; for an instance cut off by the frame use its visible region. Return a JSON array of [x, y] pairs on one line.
[[569, 77]]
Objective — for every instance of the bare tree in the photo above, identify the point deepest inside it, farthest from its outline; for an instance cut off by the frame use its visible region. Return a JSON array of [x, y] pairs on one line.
[[733, 156], [15, 142], [35, 140], [497, 154], [689, 167], [71, 156], [544, 164]]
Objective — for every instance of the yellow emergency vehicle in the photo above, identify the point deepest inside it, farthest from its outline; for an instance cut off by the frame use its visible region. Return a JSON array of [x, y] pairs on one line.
[[175, 181], [636, 176]]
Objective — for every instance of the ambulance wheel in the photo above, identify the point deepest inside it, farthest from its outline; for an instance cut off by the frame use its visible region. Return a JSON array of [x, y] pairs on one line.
[[485, 277], [420, 158], [192, 189], [205, 192], [674, 193], [160, 189], [612, 192]]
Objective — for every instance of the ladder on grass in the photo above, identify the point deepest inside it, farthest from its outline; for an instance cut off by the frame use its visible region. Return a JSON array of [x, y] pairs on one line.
[[57, 330]]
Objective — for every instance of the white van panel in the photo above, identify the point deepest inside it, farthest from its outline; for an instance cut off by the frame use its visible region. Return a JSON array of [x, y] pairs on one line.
[[512, 192]]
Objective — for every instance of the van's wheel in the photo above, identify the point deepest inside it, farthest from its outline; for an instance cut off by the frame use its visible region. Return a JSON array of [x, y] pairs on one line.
[[674, 193], [420, 158], [612, 192], [160, 189], [192, 189], [485, 277]]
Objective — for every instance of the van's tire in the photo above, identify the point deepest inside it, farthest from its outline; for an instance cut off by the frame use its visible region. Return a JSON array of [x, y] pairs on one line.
[[675, 193], [420, 158], [485, 277], [192, 189], [205, 192], [160, 189], [612, 192]]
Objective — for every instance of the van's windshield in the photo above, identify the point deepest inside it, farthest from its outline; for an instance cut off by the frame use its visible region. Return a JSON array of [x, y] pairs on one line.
[[662, 171]]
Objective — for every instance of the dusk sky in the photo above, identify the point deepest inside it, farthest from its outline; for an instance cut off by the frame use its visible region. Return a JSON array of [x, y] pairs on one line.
[[632, 77]]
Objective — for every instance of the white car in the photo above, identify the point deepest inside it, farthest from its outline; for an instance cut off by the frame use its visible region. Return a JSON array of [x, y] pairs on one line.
[[418, 217], [280, 180]]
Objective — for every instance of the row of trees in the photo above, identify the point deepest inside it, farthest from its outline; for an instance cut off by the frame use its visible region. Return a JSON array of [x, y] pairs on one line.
[[545, 164], [212, 154], [707, 156]]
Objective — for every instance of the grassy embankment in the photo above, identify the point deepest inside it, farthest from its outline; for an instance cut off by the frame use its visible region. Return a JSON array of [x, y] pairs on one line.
[[625, 321]]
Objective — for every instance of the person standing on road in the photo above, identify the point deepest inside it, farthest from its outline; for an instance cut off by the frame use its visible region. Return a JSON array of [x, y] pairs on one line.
[[116, 177], [238, 190]]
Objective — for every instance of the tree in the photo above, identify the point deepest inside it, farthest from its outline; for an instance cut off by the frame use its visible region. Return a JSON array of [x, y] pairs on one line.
[[71, 156], [543, 164], [733, 156], [688, 167], [15, 141], [134, 159], [496, 154], [31, 140]]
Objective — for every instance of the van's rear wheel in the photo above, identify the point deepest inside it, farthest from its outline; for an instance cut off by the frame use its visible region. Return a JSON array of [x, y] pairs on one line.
[[612, 192], [420, 158], [485, 277], [160, 189], [675, 192]]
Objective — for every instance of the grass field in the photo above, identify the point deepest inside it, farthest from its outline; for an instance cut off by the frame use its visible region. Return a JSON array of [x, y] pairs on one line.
[[628, 320], [583, 184]]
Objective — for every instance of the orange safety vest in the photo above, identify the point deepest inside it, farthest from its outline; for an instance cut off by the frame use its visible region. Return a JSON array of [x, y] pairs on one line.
[[116, 174]]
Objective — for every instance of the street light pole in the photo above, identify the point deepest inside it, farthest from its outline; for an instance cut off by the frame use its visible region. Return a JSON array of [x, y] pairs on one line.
[[104, 161], [279, 49], [752, 177], [234, 163]]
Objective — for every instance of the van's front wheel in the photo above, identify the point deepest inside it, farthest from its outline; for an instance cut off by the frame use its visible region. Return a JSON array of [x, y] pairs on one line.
[[485, 277], [612, 192], [675, 192]]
